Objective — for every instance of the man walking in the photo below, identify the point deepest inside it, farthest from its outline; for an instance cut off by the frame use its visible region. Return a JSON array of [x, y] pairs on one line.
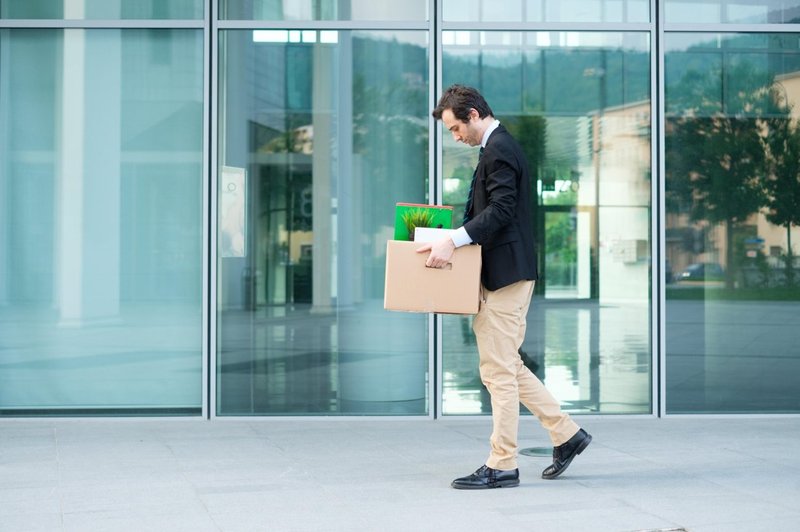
[[498, 217]]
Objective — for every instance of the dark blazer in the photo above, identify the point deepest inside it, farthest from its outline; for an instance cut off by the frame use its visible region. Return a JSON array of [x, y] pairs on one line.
[[500, 217]]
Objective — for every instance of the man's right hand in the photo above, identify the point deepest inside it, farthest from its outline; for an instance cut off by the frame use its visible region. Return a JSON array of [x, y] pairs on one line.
[[441, 252]]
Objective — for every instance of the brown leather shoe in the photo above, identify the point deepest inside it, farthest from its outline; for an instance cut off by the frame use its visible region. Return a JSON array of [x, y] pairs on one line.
[[565, 453]]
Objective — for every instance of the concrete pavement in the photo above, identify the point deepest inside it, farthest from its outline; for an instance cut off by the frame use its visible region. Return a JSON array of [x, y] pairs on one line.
[[699, 474]]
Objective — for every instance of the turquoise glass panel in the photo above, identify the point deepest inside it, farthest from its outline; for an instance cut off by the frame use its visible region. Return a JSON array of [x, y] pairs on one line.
[[733, 209], [101, 179], [308, 10], [581, 11], [321, 134], [727, 12], [102, 9]]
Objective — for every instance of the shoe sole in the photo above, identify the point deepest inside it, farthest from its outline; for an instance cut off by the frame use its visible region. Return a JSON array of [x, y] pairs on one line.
[[583, 445], [500, 484]]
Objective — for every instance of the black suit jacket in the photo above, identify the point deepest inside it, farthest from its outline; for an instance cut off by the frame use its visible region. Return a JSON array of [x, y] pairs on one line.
[[500, 217]]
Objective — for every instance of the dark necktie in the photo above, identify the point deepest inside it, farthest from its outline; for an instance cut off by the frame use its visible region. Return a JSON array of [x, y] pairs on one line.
[[468, 207]]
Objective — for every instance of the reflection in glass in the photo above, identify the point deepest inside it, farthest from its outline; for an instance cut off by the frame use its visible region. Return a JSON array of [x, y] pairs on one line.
[[579, 103], [101, 221], [727, 12], [733, 206], [102, 9], [546, 11], [308, 10], [329, 130]]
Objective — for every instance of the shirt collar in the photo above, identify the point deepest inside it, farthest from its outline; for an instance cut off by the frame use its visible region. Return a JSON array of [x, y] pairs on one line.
[[488, 132]]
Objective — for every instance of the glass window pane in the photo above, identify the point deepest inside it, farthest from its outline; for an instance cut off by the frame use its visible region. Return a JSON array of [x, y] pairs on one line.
[[546, 11], [728, 12], [407, 10], [102, 9], [733, 207], [321, 134], [101, 220], [579, 103]]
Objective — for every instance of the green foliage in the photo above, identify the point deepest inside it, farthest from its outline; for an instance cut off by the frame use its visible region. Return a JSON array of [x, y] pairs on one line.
[[414, 218]]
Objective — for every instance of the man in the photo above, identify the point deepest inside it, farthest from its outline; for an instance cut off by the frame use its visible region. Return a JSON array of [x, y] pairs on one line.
[[498, 217]]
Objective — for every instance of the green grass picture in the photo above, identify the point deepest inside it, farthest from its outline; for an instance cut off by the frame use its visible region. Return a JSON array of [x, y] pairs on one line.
[[409, 216]]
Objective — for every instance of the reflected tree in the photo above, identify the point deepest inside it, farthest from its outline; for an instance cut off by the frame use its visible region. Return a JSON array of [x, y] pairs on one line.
[[531, 133], [782, 184], [715, 155]]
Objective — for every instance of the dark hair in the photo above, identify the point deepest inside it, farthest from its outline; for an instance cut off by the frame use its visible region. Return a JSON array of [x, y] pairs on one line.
[[461, 99]]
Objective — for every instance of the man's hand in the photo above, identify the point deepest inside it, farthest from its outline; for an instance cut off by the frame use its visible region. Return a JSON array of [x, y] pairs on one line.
[[441, 252]]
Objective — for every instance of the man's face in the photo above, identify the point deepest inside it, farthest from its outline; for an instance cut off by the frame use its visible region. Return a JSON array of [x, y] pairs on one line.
[[467, 132]]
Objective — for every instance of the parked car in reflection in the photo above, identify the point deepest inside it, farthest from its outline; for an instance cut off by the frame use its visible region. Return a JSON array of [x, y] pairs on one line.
[[703, 271]]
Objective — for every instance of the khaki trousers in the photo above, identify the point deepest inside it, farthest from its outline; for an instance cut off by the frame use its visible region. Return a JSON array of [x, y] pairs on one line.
[[499, 329]]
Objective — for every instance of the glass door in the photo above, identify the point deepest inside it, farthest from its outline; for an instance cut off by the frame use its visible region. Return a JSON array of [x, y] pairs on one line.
[[579, 104]]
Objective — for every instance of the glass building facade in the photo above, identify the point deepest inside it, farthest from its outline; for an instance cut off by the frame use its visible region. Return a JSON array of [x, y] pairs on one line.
[[196, 195]]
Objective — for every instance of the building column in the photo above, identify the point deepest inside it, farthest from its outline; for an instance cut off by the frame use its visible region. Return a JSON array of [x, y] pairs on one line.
[[5, 152], [88, 178], [324, 217]]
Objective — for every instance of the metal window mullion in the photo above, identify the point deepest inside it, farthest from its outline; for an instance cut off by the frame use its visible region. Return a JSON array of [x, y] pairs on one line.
[[660, 344], [435, 193], [436, 152], [212, 86], [205, 312]]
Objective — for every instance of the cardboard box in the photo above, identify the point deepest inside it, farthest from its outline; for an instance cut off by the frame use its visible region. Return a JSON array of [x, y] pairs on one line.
[[413, 287]]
